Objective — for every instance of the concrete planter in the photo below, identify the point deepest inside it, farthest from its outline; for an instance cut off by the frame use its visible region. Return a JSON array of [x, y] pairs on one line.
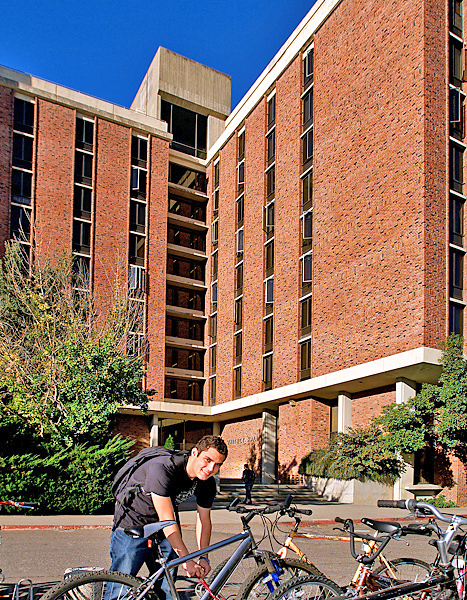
[[349, 492]]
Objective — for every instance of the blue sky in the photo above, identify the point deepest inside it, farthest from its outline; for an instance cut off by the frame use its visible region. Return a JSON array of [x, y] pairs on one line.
[[103, 47]]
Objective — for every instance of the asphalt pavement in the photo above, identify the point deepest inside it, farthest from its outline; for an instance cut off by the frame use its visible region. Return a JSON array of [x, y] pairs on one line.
[[41, 548]]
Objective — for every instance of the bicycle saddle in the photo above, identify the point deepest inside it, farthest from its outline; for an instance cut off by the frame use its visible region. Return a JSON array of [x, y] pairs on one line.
[[145, 531], [382, 526]]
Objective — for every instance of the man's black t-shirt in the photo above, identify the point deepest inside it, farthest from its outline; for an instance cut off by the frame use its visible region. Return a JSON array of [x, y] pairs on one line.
[[164, 476]]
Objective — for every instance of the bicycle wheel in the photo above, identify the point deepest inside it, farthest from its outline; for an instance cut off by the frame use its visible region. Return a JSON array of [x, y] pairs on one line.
[[307, 588], [236, 579], [101, 585], [261, 583], [401, 570]]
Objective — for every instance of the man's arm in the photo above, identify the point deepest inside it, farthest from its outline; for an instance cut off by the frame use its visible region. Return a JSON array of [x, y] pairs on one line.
[[203, 532], [165, 512]]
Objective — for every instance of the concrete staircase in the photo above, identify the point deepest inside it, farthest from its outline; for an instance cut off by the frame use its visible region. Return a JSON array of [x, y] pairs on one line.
[[268, 494]]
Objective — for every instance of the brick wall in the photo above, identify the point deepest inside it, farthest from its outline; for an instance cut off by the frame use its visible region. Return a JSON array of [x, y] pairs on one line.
[[6, 139], [111, 211], [253, 294], [243, 440], [157, 253], [55, 138], [226, 271], [287, 226], [370, 281], [135, 427], [367, 406]]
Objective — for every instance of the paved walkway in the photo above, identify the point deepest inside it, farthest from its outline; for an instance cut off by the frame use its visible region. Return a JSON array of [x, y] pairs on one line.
[[323, 513]]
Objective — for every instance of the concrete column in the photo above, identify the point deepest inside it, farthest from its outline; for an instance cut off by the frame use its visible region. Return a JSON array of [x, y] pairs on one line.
[[405, 389], [344, 412], [154, 433], [216, 428], [269, 447]]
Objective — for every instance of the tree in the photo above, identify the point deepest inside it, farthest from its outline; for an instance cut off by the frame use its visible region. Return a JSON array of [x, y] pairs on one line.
[[63, 369], [436, 419]]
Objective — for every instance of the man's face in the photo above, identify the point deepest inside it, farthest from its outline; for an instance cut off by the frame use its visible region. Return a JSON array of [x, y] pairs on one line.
[[205, 464]]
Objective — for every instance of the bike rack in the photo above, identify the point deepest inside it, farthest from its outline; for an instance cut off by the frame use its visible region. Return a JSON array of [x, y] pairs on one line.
[[30, 589]]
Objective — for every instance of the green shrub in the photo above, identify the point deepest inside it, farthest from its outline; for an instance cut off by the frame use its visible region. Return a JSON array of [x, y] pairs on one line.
[[77, 479], [441, 502]]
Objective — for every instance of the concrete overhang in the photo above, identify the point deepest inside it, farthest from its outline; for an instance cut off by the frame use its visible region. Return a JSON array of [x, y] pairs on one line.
[[420, 365]]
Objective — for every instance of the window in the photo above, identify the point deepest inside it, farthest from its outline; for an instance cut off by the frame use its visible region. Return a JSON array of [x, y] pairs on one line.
[[136, 278], [241, 178], [216, 174], [23, 116], [83, 168], [213, 327], [21, 186], [269, 258], [139, 151], [238, 348], [308, 110], [215, 232], [189, 129], [457, 274], [305, 316], [456, 318], [238, 316], [457, 168], [214, 292], [456, 113], [213, 358], [212, 389], [307, 225], [269, 290], [240, 210], [215, 203], [241, 145], [305, 360], [240, 241], [214, 264], [138, 182], [271, 111], [271, 148], [269, 214], [307, 191], [239, 279], [137, 216], [84, 133], [137, 249], [82, 198], [238, 382], [307, 148], [81, 236], [456, 17], [457, 221], [20, 225], [22, 151], [188, 178], [271, 182], [267, 371], [456, 60], [268, 333], [307, 266], [308, 67]]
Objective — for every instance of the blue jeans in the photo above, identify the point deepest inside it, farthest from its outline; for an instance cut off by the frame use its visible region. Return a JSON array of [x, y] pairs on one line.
[[130, 554]]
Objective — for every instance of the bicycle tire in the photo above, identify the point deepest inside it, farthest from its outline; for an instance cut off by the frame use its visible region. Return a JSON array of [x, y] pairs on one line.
[[230, 589], [405, 569], [258, 583], [97, 585], [307, 588]]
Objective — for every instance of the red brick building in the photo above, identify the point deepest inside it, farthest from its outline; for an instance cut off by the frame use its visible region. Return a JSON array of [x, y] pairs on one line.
[[298, 262]]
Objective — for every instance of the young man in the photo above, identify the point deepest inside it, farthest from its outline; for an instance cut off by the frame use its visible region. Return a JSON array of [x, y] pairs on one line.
[[161, 483]]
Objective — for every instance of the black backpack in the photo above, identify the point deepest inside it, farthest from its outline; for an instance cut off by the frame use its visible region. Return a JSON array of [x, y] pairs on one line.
[[120, 488]]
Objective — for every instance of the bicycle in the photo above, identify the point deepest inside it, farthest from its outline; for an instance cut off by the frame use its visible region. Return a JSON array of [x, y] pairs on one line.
[[258, 584], [118, 586], [447, 580]]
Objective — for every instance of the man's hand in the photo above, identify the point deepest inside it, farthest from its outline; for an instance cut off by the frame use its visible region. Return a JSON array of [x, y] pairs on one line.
[[205, 564], [193, 569]]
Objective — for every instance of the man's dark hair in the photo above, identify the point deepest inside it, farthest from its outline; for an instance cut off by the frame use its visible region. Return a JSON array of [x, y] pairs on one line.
[[212, 441]]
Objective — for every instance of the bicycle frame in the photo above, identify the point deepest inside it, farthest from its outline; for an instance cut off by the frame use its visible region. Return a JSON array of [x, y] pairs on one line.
[[247, 543]]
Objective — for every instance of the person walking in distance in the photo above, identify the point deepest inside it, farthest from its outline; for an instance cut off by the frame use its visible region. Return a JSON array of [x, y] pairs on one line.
[[148, 488], [248, 477]]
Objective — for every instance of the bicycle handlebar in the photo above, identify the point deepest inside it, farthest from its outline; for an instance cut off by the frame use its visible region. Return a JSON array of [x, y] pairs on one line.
[[412, 505]]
